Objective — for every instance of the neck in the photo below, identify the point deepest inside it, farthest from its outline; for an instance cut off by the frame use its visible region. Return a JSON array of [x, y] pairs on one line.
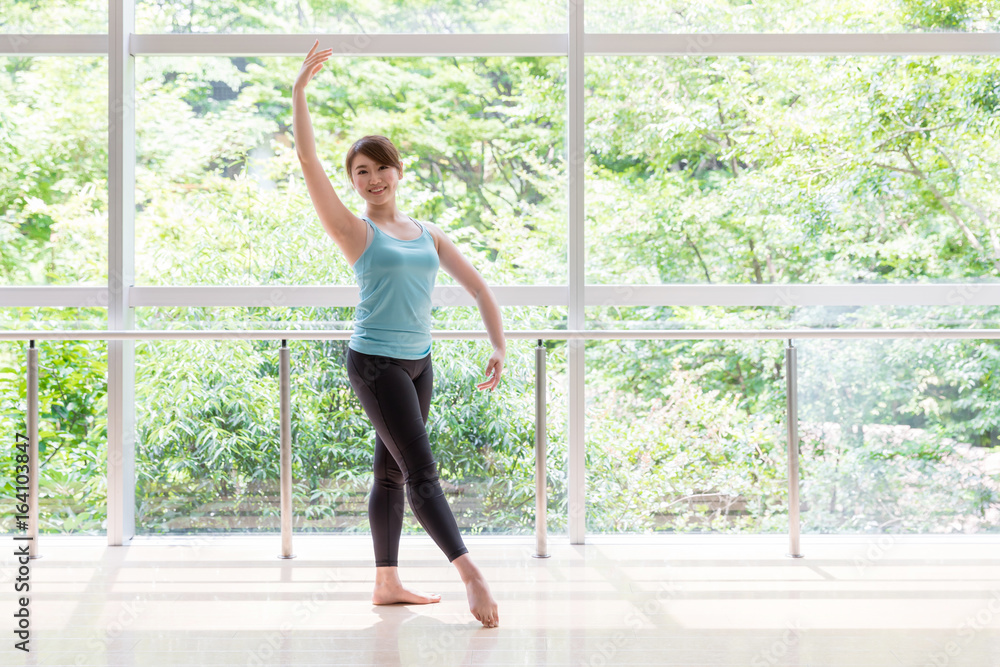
[[386, 211]]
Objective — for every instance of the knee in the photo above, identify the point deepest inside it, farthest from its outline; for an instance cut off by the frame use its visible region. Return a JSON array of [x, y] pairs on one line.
[[425, 473], [389, 485], [424, 482], [389, 480]]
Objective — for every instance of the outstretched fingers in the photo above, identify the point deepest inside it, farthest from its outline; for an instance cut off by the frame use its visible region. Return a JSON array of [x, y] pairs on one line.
[[314, 57], [320, 57]]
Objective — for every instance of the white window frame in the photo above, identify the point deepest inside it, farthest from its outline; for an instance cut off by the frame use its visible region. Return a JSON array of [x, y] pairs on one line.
[[121, 296]]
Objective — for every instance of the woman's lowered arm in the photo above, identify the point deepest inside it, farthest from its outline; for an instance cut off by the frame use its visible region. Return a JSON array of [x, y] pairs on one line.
[[459, 268]]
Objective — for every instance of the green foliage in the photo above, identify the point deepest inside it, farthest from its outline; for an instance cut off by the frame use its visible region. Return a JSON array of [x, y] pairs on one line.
[[53, 171], [52, 16], [732, 170], [72, 428], [825, 170], [688, 459], [943, 14]]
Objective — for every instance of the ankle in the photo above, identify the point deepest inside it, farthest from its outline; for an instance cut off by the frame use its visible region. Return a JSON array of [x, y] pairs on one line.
[[387, 576], [467, 570]]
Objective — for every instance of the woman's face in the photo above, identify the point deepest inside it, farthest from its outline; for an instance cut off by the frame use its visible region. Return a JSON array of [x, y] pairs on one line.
[[375, 182]]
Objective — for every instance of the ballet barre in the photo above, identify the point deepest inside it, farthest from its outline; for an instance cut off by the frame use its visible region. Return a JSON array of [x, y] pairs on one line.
[[541, 494]]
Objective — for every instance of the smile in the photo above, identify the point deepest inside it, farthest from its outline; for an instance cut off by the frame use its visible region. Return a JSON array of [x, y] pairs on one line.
[[375, 192]]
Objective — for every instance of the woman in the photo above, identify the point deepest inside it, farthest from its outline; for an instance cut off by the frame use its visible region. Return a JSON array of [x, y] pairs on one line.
[[395, 259]]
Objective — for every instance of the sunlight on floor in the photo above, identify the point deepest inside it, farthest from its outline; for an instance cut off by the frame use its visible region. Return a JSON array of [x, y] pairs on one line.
[[697, 600]]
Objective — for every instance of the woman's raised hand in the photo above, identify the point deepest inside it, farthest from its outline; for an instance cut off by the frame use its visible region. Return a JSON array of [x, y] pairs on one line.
[[312, 64]]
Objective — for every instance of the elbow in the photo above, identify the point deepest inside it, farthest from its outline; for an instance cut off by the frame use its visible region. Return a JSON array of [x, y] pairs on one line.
[[482, 289]]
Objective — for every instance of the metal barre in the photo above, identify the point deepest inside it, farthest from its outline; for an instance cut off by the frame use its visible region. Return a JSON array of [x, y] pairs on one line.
[[541, 488], [541, 494], [463, 334]]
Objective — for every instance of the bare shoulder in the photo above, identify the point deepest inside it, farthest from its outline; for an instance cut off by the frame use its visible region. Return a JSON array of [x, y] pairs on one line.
[[435, 232]]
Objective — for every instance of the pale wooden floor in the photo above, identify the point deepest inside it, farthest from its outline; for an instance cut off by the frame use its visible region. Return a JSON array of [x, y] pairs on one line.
[[671, 600]]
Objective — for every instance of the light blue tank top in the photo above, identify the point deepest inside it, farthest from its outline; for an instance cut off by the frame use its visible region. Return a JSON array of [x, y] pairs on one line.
[[396, 277]]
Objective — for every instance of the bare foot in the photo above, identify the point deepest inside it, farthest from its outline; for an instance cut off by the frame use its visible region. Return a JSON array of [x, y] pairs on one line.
[[393, 593], [481, 602]]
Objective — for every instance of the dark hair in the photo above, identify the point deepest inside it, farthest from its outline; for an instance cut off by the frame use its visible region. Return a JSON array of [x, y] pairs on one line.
[[375, 147]]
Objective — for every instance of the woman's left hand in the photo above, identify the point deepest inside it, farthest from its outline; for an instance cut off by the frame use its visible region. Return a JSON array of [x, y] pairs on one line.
[[495, 364]]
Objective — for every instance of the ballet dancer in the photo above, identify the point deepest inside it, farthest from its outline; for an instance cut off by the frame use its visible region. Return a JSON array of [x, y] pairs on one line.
[[395, 260]]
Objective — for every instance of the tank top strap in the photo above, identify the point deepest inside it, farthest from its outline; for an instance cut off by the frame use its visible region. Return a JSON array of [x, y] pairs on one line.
[[377, 230], [373, 233], [422, 228]]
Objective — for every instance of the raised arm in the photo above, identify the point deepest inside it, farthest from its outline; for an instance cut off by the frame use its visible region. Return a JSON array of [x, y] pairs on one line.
[[347, 229]]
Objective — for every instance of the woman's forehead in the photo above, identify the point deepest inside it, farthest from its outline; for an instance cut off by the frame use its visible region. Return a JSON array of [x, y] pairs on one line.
[[358, 165]]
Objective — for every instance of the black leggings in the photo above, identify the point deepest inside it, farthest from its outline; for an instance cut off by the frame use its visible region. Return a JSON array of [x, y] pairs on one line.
[[396, 396]]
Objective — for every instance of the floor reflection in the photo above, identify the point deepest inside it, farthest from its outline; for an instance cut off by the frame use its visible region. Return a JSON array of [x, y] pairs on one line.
[[403, 638]]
